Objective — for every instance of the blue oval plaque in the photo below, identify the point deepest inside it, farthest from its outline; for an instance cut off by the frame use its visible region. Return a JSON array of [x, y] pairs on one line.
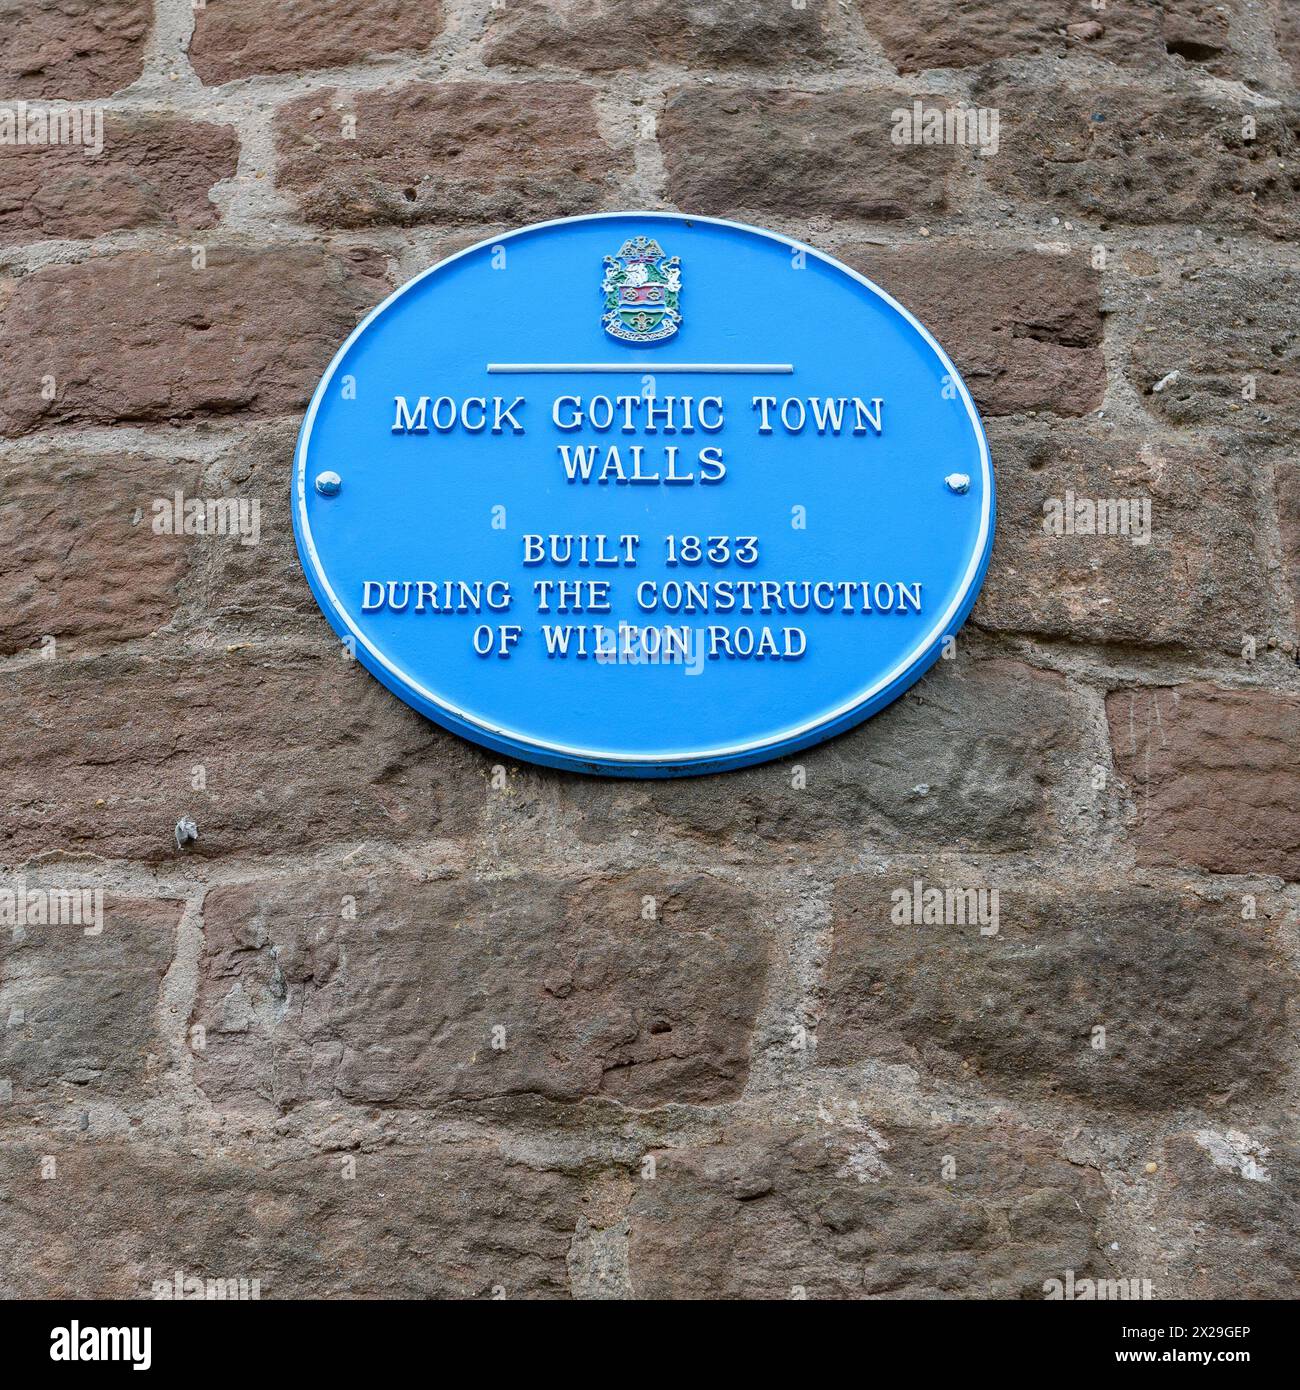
[[644, 494]]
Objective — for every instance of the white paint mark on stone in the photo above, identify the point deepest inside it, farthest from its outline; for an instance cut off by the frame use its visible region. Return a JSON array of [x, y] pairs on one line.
[[864, 1161], [1236, 1150]]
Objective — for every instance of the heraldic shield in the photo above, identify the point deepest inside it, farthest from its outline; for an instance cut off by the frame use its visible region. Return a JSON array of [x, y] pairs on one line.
[[642, 287]]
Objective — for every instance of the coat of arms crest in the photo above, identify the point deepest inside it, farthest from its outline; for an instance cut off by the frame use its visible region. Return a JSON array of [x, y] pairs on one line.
[[642, 287]]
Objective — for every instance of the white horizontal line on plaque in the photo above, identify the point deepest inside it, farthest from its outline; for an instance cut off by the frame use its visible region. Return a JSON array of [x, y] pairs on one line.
[[645, 368]]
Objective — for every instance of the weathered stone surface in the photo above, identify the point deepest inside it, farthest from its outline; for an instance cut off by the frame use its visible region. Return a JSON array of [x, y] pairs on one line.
[[1213, 776], [1213, 338], [797, 153], [1190, 996], [152, 171], [250, 332], [1232, 1236], [1288, 508], [614, 34], [1199, 31], [862, 1212], [940, 34], [1127, 154], [450, 1220], [296, 751], [1286, 22], [449, 152], [91, 551], [398, 1004], [77, 1011], [1198, 581], [966, 758], [256, 589], [1023, 329], [70, 50], [242, 38], [80, 560]]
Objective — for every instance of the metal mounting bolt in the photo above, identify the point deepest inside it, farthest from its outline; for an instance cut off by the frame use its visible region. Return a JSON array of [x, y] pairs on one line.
[[328, 484], [958, 482]]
